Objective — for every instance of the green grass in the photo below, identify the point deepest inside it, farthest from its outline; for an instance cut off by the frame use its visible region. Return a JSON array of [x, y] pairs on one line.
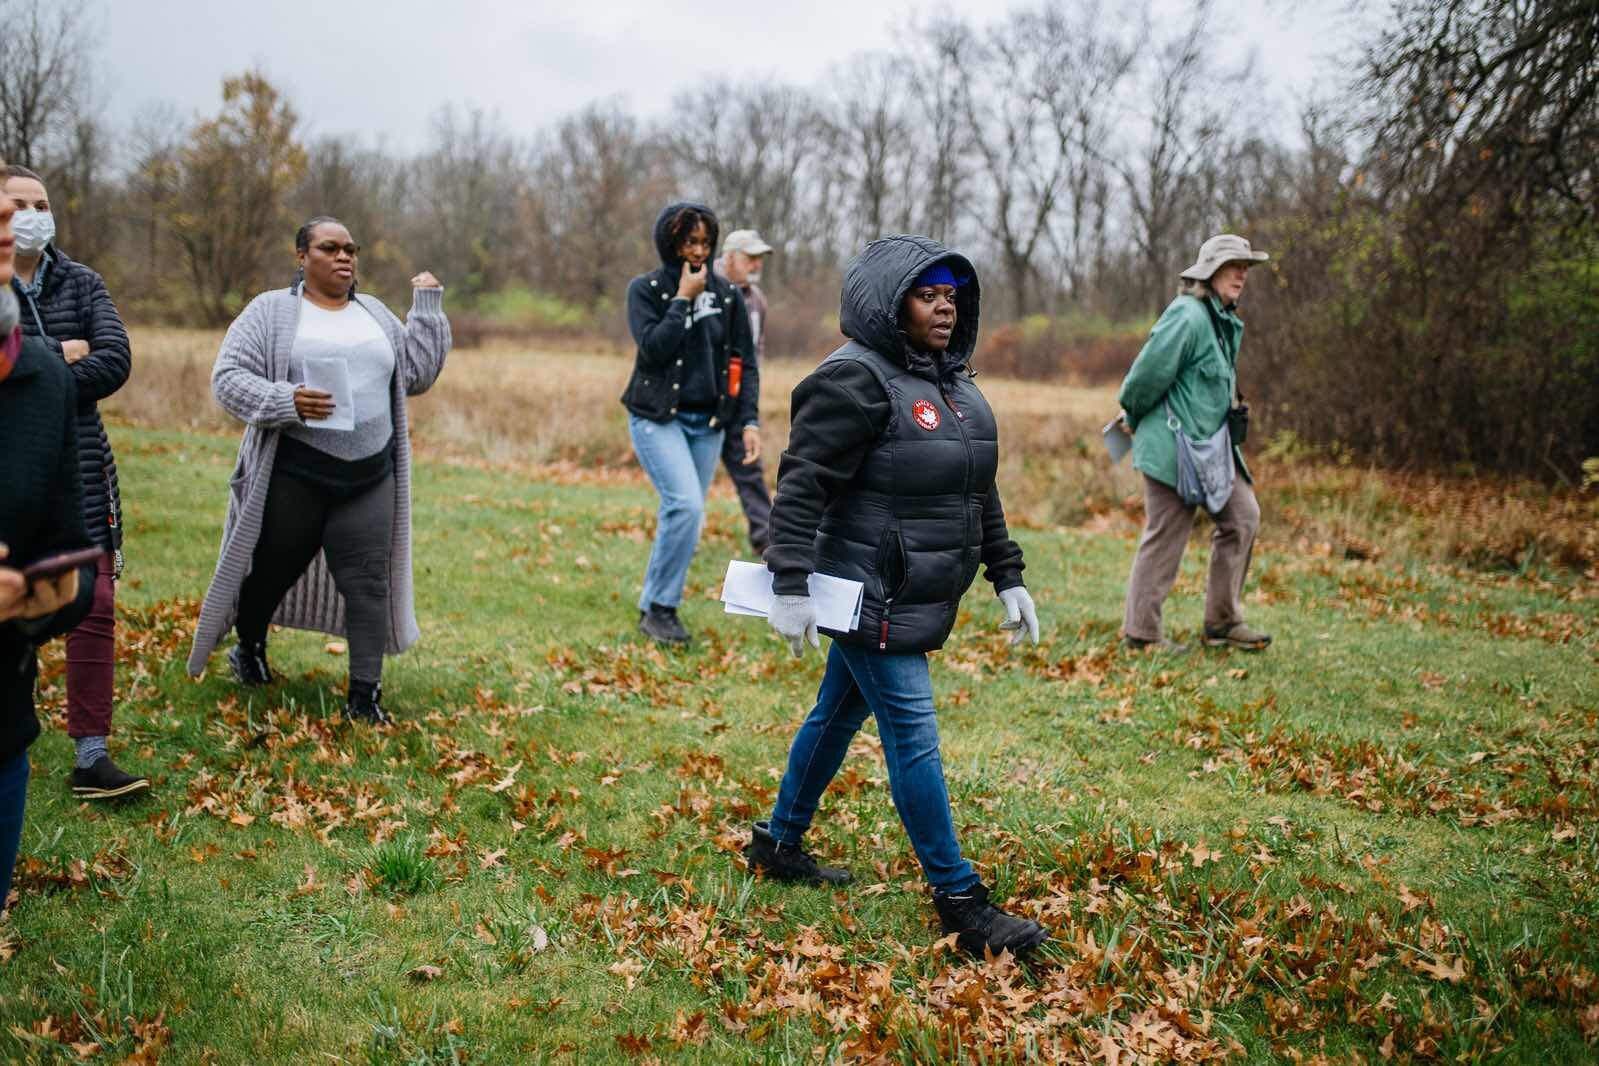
[[1382, 830]]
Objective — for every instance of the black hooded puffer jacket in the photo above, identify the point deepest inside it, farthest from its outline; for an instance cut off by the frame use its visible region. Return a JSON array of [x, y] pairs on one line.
[[889, 474], [684, 351], [74, 305]]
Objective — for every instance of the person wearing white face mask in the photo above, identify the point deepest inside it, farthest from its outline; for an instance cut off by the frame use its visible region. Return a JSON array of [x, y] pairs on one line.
[[66, 306]]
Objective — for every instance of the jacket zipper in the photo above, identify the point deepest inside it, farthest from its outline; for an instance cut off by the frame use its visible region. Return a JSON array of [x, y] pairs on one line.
[[966, 510], [882, 634]]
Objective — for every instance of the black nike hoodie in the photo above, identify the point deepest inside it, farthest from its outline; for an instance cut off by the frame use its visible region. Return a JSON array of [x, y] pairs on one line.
[[684, 349]]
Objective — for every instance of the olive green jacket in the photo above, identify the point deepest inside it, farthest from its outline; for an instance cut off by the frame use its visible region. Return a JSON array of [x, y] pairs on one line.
[[1190, 362]]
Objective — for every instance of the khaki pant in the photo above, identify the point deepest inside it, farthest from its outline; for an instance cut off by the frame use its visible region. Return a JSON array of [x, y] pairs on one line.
[[1167, 523]]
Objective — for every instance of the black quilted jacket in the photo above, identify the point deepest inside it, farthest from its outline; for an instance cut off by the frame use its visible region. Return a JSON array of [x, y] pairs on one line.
[[74, 305]]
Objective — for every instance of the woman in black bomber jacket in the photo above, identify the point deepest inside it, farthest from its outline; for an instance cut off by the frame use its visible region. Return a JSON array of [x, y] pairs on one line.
[[693, 377], [66, 306], [888, 479]]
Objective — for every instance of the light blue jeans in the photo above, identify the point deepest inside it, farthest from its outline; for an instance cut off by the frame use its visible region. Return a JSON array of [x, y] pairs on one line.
[[679, 456], [899, 691]]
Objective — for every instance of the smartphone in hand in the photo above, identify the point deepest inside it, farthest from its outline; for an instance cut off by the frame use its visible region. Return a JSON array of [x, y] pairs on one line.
[[53, 566]]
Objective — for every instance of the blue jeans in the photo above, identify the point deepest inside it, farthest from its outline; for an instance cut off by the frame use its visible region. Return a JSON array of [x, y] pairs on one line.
[[679, 456], [13, 797], [898, 690]]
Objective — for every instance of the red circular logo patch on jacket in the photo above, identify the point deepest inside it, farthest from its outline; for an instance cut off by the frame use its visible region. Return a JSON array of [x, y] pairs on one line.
[[926, 415]]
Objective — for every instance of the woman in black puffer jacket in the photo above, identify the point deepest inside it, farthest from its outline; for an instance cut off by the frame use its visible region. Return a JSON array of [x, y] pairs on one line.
[[888, 479], [66, 306]]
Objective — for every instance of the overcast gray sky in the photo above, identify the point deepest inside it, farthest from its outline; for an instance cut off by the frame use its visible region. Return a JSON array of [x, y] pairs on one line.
[[383, 68]]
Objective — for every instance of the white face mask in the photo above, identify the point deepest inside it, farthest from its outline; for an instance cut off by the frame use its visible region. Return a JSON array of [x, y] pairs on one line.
[[33, 230]]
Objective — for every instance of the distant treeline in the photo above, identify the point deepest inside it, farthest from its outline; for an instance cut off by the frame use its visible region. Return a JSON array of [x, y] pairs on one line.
[[1433, 297]]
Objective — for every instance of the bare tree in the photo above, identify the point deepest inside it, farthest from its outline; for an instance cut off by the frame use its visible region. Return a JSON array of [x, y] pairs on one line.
[[745, 147], [866, 131], [1088, 54], [596, 188], [1185, 115], [1495, 93], [934, 61], [42, 65], [468, 194], [1009, 124]]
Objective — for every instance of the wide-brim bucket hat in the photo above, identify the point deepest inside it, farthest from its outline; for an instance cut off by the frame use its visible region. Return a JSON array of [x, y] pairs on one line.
[[1222, 248]]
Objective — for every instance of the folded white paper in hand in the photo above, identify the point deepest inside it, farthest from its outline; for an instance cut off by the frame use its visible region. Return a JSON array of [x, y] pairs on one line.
[[747, 590], [1117, 442], [332, 376]]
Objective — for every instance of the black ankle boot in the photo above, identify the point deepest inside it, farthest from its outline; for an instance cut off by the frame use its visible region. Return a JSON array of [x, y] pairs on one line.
[[980, 925], [788, 862], [662, 625], [249, 664], [364, 703]]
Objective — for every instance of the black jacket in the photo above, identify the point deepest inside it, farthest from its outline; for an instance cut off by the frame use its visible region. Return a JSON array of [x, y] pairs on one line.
[[41, 514], [888, 478], [683, 350], [75, 305]]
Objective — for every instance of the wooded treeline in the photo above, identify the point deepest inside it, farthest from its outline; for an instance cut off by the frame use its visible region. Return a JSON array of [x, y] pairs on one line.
[[1433, 296]]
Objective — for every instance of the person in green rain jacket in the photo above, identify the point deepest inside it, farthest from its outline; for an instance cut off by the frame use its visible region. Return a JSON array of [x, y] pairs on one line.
[[1185, 380]]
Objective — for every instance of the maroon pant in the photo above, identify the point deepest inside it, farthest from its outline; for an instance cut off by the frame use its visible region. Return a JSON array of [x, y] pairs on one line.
[[92, 658]]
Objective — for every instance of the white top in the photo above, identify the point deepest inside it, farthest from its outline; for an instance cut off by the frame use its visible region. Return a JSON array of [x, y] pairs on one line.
[[350, 334]]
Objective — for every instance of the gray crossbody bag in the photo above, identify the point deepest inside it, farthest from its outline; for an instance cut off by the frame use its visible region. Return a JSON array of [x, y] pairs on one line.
[[1204, 467]]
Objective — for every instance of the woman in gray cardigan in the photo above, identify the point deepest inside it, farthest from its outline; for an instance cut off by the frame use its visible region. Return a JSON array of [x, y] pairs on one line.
[[318, 532]]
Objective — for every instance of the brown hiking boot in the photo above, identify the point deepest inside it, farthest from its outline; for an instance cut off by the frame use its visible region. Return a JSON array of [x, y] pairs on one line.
[[1237, 635]]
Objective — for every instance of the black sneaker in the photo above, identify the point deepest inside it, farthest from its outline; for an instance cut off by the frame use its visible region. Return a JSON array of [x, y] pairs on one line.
[[365, 704], [788, 862], [662, 625], [249, 664], [979, 925], [105, 780]]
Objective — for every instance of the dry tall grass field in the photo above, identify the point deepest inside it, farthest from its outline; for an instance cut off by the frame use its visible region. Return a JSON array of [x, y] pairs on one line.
[[512, 405], [555, 413]]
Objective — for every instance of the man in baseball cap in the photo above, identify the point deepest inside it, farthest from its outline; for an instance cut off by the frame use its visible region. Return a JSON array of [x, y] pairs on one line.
[[743, 251]]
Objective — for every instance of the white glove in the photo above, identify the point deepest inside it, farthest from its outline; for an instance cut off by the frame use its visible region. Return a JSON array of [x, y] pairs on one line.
[[1020, 617], [794, 618]]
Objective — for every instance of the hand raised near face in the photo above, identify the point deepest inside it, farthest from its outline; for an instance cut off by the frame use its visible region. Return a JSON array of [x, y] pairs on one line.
[[691, 284]]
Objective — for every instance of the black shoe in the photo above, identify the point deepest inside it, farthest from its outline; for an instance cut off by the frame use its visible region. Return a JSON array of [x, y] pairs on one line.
[[365, 704], [249, 664], [662, 625], [105, 780], [788, 862], [979, 925]]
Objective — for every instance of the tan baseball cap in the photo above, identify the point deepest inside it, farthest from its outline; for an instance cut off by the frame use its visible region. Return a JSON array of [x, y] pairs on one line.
[[1222, 248], [747, 241]]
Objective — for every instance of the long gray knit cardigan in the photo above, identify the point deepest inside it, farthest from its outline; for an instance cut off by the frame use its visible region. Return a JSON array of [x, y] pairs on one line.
[[250, 381]]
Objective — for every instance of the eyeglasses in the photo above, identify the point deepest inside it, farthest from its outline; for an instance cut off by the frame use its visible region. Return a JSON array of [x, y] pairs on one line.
[[333, 248]]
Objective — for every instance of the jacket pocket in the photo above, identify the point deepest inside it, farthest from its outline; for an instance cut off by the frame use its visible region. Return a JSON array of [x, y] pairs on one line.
[[239, 484], [893, 566]]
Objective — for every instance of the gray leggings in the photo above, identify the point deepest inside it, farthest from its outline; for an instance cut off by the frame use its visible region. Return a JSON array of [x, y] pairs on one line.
[[354, 532]]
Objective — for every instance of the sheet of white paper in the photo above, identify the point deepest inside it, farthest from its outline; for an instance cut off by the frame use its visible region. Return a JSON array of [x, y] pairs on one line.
[[332, 376], [1117, 442], [747, 590]]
